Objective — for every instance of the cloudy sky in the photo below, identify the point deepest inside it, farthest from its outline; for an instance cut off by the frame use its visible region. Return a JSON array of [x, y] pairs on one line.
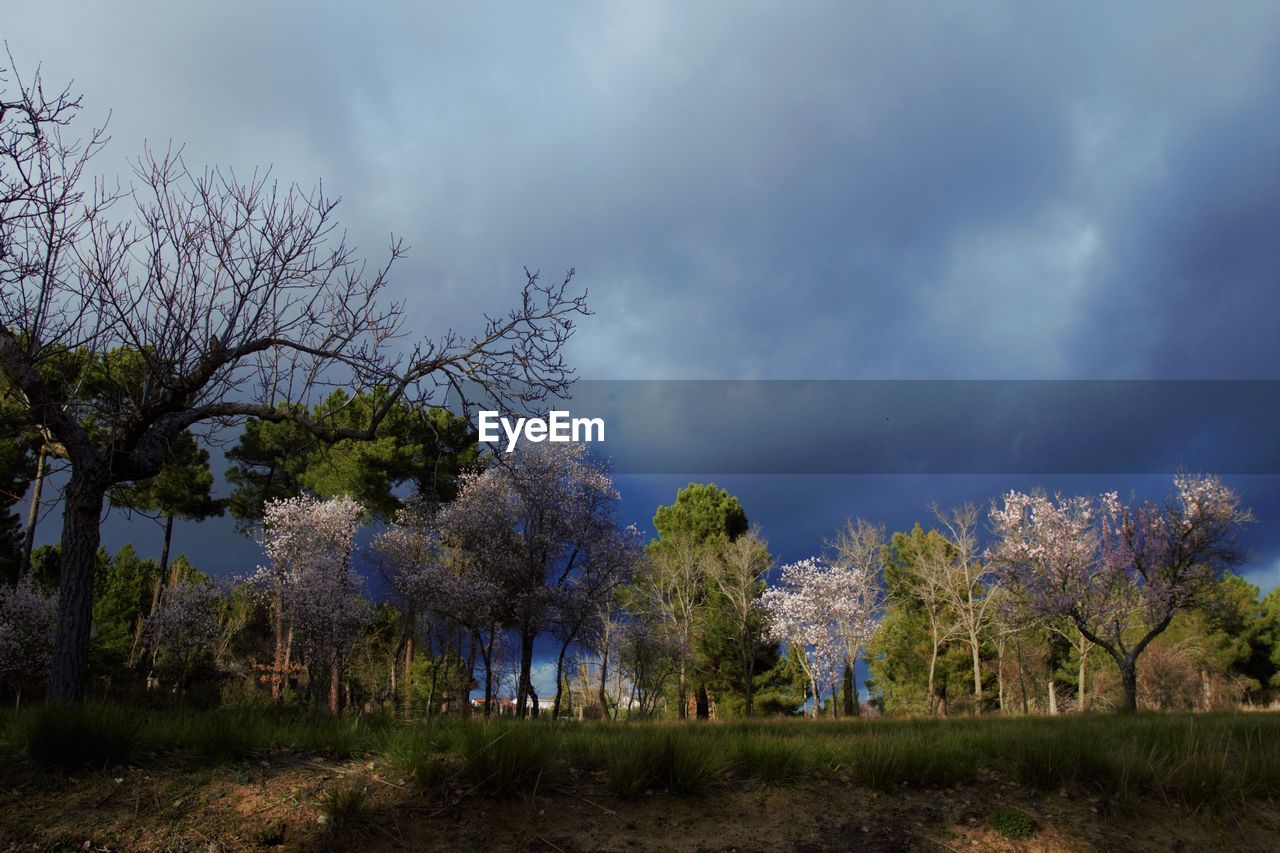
[[811, 190]]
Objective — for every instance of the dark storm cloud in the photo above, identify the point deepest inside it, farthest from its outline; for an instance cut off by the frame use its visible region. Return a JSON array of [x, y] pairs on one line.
[[752, 190]]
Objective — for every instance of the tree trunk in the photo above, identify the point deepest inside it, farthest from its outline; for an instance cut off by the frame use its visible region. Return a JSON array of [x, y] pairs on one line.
[[976, 646], [850, 692], [407, 682], [334, 679], [1000, 675], [488, 671], [278, 658], [555, 706], [526, 668], [684, 695], [604, 681], [703, 703], [1022, 680], [1129, 680], [33, 515], [81, 516], [1053, 697], [933, 665], [1083, 700]]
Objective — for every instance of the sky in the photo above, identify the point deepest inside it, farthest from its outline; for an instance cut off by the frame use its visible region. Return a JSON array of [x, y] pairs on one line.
[[761, 191]]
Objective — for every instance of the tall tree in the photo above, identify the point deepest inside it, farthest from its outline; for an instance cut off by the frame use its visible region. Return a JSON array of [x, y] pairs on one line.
[[240, 299], [739, 575], [966, 584], [918, 576], [692, 532], [1119, 571]]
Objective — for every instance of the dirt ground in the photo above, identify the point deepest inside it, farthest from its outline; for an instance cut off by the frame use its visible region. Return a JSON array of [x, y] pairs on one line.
[[277, 804]]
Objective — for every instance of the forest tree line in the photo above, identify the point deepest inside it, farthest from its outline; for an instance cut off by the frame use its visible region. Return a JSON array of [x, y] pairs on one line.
[[477, 569]]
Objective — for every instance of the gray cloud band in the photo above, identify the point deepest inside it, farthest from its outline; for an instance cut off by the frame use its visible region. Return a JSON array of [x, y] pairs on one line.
[[934, 426]]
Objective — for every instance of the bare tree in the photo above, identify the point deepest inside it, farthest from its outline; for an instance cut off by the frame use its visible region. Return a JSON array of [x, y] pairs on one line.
[[671, 591], [230, 298], [967, 584], [739, 575], [925, 576]]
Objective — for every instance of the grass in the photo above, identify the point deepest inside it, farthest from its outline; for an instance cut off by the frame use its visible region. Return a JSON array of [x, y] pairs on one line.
[[346, 809], [1207, 761]]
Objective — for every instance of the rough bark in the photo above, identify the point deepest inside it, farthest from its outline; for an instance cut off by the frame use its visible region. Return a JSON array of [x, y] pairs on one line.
[[80, 537]]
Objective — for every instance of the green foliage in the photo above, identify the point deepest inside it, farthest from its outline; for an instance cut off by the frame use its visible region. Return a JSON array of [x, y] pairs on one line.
[[182, 489], [123, 587], [702, 512], [426, 448], [1012, 823]]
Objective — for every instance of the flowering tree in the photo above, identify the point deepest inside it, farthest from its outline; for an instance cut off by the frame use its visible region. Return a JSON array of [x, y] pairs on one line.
[[411, 557], [184, 626], [529, 524], [800, 615], [854, 591], [26, 632], [315, 592], [1119, 572]]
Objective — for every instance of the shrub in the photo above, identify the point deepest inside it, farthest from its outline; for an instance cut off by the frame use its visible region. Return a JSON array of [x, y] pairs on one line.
[[97, 735]]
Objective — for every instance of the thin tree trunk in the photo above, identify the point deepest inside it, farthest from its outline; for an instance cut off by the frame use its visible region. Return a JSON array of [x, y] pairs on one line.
[[933, 666], [334, 679], [407, 682], [850, 693], [488, 670], [977, 674], [1083, 701], [604, 681], [526, 668], [278, 658], [1022, 680], [33, 514], [555, 706], [1053, 697], [81, 516], [1000, 674], [469, 674], [684, 696]]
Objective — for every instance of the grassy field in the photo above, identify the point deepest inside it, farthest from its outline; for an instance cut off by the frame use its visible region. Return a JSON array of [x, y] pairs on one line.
[[364, 780]]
